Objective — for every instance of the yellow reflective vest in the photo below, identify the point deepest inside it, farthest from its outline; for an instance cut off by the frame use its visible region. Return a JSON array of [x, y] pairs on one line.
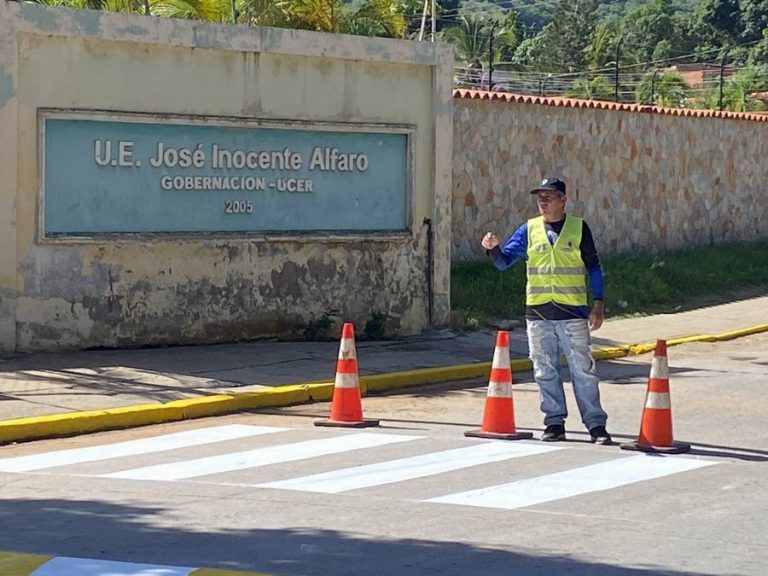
[[556, 273]]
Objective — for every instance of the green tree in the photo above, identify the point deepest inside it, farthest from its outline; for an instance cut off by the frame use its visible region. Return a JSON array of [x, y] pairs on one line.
[[738, 92], [758, 56], [565, 40], [723, 18], [735, 21], [265, 12], [754, 19], [369, 17], [591, 88], [667, 89], [739, 89], [645, 27], [131, 6], [662, 51], [376, 18], [527, 50], [531, 14], [601, 49], [209, 10], [471, 38], [509, 36]]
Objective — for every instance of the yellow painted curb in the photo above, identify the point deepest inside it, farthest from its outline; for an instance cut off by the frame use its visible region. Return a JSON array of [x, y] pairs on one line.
[[51, 425], [731, 334], [71, 423], [200, 407], [271, 397], [321, 391], [610, 352], [18, 564], [643, 347], [517, 365], [381, 382], [138, 414], [638, 349]]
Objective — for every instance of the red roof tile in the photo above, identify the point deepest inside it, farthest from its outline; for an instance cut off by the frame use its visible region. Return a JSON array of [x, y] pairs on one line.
[[466, 94]]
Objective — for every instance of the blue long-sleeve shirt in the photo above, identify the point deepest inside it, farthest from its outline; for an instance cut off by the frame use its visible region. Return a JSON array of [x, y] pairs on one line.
[[516, 248]]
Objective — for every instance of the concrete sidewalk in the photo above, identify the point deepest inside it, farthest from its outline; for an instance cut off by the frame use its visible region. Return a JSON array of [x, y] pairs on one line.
[[58, 394]]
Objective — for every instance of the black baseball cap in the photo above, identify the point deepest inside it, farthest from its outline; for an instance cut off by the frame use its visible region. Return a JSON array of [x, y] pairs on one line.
[[550, 185]]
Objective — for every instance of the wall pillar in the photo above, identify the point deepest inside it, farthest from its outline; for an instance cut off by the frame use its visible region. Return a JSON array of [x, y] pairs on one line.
[[8, 180]]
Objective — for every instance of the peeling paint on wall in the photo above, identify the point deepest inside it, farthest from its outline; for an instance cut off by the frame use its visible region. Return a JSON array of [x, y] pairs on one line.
[[6, 86], [43, 20], [216, 292], [88, 21]]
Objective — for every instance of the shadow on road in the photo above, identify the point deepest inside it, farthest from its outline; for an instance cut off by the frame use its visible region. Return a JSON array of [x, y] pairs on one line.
[[107, 531]]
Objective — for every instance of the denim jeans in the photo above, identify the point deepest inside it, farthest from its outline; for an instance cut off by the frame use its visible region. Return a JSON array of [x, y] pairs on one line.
[[546, 340]]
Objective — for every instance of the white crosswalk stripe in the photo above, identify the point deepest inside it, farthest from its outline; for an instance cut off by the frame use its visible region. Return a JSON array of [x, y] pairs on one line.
[[408, 468], [574, 482], [346, 460], [66, 566], [260, 457], [171, 441]]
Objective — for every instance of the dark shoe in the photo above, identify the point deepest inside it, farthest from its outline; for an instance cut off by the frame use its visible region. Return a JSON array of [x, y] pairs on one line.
[[600, 435], [553, 433]]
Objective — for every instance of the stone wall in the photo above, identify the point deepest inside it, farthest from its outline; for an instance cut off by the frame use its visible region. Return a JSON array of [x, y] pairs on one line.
[[644, 178]]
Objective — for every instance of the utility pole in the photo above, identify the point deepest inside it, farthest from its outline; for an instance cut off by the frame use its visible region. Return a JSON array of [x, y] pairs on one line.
[[434, 5], [616, 68], [653, 86], [722, 76], [423, 20], [543, 84], [490, 57]]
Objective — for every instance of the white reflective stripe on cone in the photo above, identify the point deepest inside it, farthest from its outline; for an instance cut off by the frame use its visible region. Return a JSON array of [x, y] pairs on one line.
[[347, 352], [659, 400], [346, 380], [500, 359], [659, 368], [500, 389]]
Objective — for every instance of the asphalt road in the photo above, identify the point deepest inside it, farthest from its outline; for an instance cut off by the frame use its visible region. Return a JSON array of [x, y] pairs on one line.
[[271, 492]]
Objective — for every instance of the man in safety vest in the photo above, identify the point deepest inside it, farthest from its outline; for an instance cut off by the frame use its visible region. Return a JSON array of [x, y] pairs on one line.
[[560, 254]]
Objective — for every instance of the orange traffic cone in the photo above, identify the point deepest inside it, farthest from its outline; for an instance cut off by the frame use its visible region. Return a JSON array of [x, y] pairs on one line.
[[499, 411], [656, 424], [346, 407]]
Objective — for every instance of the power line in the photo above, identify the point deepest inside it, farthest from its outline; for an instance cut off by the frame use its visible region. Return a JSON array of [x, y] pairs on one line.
[[648, 63]]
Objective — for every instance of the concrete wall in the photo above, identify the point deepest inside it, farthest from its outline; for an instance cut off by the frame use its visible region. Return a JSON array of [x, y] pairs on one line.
[[179, 289], [644, 178]]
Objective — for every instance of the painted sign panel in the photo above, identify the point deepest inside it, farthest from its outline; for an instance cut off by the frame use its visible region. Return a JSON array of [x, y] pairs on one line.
[[104, 176]]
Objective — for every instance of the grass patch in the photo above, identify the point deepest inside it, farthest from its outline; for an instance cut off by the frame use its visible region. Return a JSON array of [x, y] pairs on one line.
[[635, 284]]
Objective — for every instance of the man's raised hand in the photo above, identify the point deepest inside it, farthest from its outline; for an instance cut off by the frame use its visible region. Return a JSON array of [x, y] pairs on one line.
[[489, 241]]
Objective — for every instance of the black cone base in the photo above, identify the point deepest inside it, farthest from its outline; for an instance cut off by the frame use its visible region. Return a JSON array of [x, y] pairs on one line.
[[676, 448], [344, 424], [499, 435]]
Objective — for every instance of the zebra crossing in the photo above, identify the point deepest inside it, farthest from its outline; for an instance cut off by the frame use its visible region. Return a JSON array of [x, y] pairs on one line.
[[355, 460]]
